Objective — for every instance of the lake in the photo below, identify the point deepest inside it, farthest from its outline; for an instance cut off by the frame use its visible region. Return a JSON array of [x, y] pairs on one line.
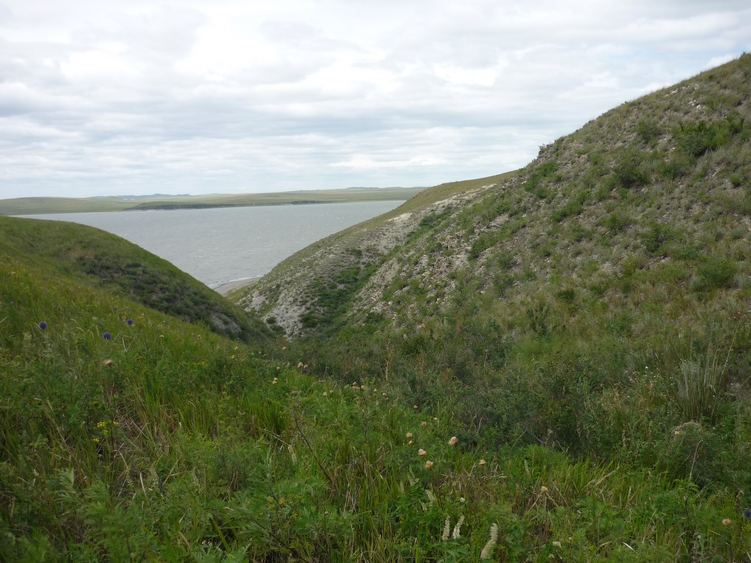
[[228, 244]]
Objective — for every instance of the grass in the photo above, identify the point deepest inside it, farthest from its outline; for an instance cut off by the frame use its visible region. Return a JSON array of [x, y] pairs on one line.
[[170, 442]]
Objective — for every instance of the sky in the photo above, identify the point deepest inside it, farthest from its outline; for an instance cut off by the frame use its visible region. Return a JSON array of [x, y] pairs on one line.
[[113, 97]]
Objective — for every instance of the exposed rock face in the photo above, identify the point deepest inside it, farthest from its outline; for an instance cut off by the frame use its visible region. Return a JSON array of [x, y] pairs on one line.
[[290, 295]]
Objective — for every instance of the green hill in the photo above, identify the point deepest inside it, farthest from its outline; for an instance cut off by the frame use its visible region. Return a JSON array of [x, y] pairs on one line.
[[596, 300], [101, 259], [130, 435]]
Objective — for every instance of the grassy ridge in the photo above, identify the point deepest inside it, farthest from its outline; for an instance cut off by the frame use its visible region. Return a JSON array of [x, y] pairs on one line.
[[107, 261], [166, 442], [41, 205]]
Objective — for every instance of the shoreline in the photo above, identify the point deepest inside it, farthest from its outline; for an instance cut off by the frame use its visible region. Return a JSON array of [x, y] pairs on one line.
[[225, 288]]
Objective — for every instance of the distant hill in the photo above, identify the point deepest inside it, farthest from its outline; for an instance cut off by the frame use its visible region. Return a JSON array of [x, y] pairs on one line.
[[43, 205]]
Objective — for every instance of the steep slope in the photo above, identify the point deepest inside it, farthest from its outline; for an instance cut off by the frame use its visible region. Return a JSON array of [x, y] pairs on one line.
[[105, 260], [314, 287], [596, 301], [661, 180]]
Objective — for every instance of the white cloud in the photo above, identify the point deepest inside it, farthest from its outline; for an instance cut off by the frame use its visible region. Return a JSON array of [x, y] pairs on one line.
[[227, 96], [361, 161]]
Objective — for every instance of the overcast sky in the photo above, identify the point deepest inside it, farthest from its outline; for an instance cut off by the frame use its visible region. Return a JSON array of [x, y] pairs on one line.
[[110, 97]]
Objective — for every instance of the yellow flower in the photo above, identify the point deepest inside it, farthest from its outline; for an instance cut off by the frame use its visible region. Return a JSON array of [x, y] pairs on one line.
[[421, 452], [428, 464], [453, 441]]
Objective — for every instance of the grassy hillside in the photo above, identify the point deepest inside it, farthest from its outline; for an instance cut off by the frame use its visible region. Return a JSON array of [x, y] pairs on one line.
[[41, 205], [129, 435], [596, 301], [104, 260]]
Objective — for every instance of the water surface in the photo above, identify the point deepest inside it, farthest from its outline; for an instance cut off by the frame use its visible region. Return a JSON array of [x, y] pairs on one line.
[[222, 245]]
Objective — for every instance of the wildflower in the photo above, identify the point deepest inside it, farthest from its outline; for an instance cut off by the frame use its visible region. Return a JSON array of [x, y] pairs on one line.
[[43, 325], [747, 513], [456, 534], [446, 529], [299, 365], [384, 394], [543, 489], [414, 407], [435, 418], [428, 464], [325, 394], [423, 423], [108, 362], [726, 521], [409, 435], [106, 336], [481, 462], [421, 452], [129, 321], [488, 549], [410, 442], [557, 544], [275, 381], [453, 441]]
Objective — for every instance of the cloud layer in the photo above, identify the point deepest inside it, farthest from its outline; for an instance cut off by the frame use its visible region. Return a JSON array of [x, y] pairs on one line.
[[108, 97]]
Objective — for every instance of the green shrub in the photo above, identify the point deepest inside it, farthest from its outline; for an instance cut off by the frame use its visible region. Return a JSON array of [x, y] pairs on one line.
[[648, 131], [717, 272], [629, 169], [656, 237], [700, 386]]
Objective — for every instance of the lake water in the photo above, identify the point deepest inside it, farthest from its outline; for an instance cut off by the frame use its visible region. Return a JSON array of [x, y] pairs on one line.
[[222, 245]]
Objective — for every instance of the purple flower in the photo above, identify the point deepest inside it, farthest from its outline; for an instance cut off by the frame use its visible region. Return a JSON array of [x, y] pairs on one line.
[[747, 513], [43, 325], [129, 321], [106, 336]]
